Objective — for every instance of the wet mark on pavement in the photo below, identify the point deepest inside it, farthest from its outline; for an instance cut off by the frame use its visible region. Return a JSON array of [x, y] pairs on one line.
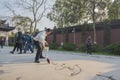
[[2, 72], [108, 77], [18, 78]]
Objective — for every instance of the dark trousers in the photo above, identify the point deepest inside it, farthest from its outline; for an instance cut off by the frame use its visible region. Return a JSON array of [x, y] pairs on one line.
[[89, 50], [1, 44], [15, 46], [28, 46], [18, 46], [39, 51]]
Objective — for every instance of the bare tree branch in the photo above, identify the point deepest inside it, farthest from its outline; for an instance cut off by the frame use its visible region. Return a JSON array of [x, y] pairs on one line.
[[25, 4], [8, 6], [36, 7]]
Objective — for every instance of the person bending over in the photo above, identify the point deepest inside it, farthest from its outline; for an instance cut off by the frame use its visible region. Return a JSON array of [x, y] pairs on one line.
[[40, 42]]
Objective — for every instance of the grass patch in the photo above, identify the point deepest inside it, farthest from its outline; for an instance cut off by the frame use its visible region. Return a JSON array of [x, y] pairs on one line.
[[81, 52]]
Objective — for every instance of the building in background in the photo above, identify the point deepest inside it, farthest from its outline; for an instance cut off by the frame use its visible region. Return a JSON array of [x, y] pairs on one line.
[[4, 30]]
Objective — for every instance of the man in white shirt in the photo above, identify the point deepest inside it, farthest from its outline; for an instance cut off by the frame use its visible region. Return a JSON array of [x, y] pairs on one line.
[[40, 42]]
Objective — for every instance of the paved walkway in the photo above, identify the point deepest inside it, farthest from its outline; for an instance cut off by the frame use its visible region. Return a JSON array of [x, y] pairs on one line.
[[7, 58]]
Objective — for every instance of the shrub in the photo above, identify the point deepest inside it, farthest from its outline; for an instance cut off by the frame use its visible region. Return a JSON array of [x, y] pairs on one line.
[[96, 48], [113, 48], [69, 46], [11, 44], [54, 46], [83, 48]]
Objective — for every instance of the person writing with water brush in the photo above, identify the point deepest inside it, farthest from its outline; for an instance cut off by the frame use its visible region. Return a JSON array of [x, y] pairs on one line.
[[40, 42]]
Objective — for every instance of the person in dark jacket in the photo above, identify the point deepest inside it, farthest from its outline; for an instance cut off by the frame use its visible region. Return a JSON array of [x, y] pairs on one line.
[[2, 42], [89, 45], [18, 41]]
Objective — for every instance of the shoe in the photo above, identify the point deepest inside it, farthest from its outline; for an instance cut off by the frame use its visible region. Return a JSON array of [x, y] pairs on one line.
[[42, 57], [37, 61], [11, 52], [32, 52], [19, 53]]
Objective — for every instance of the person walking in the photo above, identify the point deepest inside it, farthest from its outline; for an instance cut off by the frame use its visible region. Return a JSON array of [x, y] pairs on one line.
[[2, 41], [28, 43], [18, 42], [40, 42], [89, 45]]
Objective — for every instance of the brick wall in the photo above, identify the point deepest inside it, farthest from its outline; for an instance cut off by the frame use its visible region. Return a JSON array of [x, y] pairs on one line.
[[115, 37], [101, 27]]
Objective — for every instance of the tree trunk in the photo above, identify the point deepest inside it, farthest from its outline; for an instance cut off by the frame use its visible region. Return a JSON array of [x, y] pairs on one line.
[[35, 26], [93, 17]]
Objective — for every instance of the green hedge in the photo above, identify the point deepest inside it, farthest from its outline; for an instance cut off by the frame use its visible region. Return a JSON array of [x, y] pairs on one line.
[[96, 48], [54, 46], [113, 48], [82, 48], [11, 44], [69, 46]]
